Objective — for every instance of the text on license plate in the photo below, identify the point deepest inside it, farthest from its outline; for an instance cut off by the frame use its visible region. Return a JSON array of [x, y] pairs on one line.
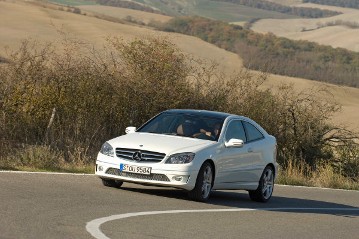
[[135, 169]]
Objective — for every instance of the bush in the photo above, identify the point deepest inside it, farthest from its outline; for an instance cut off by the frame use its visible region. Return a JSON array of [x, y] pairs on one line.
[[75, 98], [66, 103]]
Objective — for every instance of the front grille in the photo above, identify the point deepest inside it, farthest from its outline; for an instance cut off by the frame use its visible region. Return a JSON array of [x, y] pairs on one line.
[[146, 156], [152, 176]]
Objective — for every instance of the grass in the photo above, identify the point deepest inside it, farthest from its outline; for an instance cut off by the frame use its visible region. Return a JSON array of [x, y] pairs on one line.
[[41, 158], [324, 177], [44, 159]]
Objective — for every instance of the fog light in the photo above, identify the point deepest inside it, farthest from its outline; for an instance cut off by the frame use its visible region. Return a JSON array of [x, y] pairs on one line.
[[178, 178], [100, 168]]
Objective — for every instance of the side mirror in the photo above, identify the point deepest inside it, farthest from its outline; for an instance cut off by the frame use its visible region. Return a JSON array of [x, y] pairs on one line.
[[234, 143], [130, 130]]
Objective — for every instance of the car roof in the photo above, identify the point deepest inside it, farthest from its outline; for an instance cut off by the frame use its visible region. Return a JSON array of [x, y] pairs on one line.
[[204, 113]]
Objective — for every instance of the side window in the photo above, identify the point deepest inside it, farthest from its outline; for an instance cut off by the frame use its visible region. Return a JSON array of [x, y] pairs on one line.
[[235, 130], [252, 132]]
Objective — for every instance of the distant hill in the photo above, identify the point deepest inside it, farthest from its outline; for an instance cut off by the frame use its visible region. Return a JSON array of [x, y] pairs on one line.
[[225, 10], [129, 4], [338, 3], [266, 52], [337, 31], [304, 12]]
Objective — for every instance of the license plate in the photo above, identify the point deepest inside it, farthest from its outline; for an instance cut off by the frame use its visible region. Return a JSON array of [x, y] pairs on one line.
[[135, 169]]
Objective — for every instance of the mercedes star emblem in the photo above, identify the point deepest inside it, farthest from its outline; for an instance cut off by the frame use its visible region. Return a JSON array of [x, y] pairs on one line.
[[137, 156]]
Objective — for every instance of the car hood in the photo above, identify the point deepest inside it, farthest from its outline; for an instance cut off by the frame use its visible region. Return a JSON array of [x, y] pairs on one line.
[[167, 144]]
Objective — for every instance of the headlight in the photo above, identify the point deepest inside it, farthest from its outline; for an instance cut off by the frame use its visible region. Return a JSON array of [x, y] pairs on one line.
[[180, 158], [107, 149]]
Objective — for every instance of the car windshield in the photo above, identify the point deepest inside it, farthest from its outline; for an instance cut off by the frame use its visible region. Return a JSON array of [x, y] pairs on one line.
[[185, 125]]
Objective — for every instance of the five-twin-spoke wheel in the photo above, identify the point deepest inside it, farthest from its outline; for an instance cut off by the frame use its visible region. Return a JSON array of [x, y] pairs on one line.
[[265, 188], [204, 183], [207, 181]]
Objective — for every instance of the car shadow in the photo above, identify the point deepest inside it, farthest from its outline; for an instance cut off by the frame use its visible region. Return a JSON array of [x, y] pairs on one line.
[[240, 199]]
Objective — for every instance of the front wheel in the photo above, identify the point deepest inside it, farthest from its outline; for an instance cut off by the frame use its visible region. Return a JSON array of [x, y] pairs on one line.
[[204, 184], [265, 188], [111, 183]]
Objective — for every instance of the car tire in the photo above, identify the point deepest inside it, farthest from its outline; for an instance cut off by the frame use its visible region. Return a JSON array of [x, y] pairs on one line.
[[265, 188], [111, 183], [204, 183]]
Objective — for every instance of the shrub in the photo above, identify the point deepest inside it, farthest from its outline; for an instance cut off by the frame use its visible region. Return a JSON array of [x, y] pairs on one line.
[[67, 102]]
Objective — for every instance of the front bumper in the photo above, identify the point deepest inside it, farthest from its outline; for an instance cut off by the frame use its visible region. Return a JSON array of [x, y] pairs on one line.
[[171, 175]]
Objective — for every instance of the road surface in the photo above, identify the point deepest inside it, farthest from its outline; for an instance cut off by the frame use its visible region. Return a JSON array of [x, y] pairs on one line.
[[37, 205]]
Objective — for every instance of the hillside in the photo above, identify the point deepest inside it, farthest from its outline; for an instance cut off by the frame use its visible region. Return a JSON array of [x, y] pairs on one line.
[[337, 31], [124, 14], [20, 20], [339, 3]]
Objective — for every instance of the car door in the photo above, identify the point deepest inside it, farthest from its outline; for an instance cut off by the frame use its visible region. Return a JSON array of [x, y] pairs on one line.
[[239, 165], [255, 143], [234, 163]]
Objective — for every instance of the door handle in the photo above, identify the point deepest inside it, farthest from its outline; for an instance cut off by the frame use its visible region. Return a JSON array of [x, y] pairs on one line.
[[250, 150]]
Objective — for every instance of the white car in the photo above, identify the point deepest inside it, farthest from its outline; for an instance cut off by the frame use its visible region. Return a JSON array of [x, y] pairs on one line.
[[195, 150]]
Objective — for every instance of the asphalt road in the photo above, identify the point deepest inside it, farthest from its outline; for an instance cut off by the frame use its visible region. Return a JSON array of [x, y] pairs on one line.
[[78, 206]]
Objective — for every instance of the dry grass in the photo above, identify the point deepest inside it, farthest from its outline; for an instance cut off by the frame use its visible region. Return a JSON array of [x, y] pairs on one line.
[[309, 29], [43, 158], [300, 174]]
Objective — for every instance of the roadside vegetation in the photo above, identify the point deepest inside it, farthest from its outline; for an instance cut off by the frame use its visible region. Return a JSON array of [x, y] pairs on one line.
[[269, 53], [59, 104]]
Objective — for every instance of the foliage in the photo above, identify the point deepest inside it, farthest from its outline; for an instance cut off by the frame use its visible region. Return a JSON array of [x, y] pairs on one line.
[[276, 7], [62, 105], [266, 52], [75, 98]]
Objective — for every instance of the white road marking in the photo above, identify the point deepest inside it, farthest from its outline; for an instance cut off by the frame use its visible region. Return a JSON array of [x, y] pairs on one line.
[[46, 173], [93, 227]]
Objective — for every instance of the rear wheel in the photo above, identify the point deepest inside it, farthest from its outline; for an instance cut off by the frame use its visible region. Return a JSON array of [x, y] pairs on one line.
[[111, 183], [202, 190], [265, 187]]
